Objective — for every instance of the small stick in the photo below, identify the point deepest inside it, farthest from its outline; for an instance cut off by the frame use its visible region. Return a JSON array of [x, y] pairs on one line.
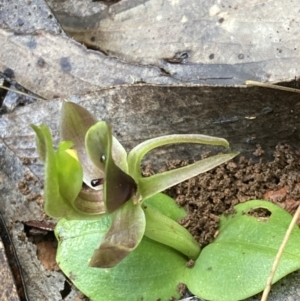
[[22, 93], [279, 254], [252, 83]]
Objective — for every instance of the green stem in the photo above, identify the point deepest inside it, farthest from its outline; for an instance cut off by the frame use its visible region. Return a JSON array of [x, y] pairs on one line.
[[168, 232]]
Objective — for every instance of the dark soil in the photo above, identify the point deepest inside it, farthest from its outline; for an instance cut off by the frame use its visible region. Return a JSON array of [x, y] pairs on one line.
[[213, 193]]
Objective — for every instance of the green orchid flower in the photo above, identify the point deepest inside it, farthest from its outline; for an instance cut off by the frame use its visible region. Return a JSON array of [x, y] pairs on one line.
[[92, 176]]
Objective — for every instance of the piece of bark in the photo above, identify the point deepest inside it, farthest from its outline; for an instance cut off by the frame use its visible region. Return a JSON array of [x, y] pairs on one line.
[[54, 66], [207, 52], [25, 17], [244, 116], [196, 42], [8, 290]]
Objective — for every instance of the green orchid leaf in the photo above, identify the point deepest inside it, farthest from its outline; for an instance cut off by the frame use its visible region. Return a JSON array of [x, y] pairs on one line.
[[124, 235], [151, 272], [162, 216], [149, 186], [237, 264], [74, 124], [167, 231], [166, 205], [119, 187], [63, 176], [136, 155]]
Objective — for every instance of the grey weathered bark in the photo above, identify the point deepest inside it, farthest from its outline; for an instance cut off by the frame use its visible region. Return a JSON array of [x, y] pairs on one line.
[[245, 41]]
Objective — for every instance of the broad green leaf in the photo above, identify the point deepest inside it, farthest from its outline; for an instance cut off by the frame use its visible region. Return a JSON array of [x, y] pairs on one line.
[[124, 235], [149, 186], [166, 205], [237, 264], [167, 231], [119, 187], [150, 272], [61, 185], [74, 124], [136, 155]]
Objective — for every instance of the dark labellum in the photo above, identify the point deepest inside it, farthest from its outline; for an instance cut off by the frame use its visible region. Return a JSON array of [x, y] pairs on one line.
[[96, 182]]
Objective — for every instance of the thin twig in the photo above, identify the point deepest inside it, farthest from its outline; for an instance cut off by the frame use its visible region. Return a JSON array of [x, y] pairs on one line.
[[252, 83], [22, 93], [279, 254]]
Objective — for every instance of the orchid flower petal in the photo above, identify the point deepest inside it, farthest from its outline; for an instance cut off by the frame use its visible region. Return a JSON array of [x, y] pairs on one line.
[[152, 185], [74, 124], [119, 187], [136, 155]]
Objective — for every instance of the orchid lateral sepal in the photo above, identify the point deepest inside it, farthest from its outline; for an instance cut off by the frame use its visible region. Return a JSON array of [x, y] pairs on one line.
[[136, 155], [149, 186], [124, 235]]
